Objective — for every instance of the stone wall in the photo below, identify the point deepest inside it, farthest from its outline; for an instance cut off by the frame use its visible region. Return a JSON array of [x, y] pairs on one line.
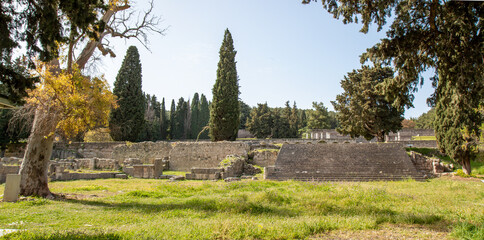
[[186, 155], [264, 158], [7, 169], [146, 152], [343, 162], [402, 135], [84, 149]]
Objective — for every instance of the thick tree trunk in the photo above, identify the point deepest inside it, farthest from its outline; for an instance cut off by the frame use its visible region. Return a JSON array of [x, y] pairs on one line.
[[34, 180], [466, 165]]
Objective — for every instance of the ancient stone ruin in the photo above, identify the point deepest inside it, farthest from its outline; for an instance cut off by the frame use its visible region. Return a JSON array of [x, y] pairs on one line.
[[343, 162]]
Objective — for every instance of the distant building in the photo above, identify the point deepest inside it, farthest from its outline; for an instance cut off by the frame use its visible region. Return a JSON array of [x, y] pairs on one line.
[[402, 135]]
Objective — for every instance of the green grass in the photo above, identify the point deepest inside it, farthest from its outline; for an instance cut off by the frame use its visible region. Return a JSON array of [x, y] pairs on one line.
[[423, 138], [154, 209]]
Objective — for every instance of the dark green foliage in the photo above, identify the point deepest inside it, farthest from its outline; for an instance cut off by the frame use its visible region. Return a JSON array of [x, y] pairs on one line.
[[204, 116], [224, 110], [244, 114], [294, 122], [195, 125], [426, 120], [163, 121], [444, 35], [319, 117], [180, 118], [260, 121], [126, 121], [362, 109], [152, 126], [12, 131], [304, 120], [172, 120], [38, 25]]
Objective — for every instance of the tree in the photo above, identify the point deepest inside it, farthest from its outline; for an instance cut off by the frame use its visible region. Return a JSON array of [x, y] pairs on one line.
[[195, 125], [318, 118], [426, 120], [408, 124], [73, 104], [280, 127], [11, 130], [445, 36], [180, 119], [164, 121], [244, 114], [260, 121], [77, 21], [362, 109], [204, 117], [172, 120], [127, 120], [294, 121], [225, 109]]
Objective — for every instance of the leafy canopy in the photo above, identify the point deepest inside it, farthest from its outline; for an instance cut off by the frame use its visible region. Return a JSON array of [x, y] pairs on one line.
[[76, 103]]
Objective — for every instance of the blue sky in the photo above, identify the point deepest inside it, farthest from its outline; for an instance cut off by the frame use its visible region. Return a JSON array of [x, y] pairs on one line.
[[285, 51]]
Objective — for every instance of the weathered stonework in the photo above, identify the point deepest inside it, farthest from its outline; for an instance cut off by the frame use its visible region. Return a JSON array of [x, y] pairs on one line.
[[147, 152], [343, 162], [264, 158], [186, 155]]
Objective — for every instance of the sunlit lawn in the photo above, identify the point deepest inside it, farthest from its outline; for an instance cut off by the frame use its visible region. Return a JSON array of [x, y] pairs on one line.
[[159, 209]]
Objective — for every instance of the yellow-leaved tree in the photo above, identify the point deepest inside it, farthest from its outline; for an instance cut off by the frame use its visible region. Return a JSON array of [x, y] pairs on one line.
[[65, 100]]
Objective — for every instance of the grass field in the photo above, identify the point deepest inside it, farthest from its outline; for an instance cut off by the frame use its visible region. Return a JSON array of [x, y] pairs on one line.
[[159, 209]]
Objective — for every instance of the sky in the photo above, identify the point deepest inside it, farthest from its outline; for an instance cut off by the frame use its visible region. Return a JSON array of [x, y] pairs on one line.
[[286, 51]]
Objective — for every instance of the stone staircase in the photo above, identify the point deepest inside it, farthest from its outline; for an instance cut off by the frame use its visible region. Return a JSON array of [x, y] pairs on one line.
[[343, 162]]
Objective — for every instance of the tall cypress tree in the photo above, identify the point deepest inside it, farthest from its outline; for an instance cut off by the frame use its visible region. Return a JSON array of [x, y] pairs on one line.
[[164, 121], [126, 121], [195, 126], [294, 121], [172, 119], [204, 116], [224, 111], [179, 119]]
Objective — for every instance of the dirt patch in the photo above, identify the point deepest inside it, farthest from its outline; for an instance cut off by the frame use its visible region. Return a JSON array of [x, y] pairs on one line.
[[387, 232]]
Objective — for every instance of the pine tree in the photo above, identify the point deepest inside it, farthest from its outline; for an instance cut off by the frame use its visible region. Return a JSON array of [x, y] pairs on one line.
[[204, 117], [224, 110], [172, 120], [164, 121], [260, 121], [244, 114], [318, 118], [126, 121], [362, 109], [195, 126]]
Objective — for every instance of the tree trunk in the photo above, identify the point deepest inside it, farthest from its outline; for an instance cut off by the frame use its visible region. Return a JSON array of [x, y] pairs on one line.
[[35, 164], [380, 137], [466, 165]]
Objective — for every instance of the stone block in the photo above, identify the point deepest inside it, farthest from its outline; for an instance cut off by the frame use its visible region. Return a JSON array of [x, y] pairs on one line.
[[158, 165], [12, 188], [122, 176]]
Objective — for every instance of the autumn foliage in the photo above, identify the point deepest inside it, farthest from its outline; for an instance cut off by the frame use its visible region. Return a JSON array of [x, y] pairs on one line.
[[75, 103]]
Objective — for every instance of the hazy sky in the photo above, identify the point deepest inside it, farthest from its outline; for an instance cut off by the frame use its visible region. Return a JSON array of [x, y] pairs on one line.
[[285, 51]]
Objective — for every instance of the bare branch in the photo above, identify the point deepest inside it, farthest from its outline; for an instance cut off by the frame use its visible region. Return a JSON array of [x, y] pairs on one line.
[[118, 24]]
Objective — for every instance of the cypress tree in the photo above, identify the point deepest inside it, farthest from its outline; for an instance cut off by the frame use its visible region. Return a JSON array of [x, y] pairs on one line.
[[204, 116], [224, 111], [195, 126], [126, 121], [179, 119], [294, 121], [164, 121], [172, 120]]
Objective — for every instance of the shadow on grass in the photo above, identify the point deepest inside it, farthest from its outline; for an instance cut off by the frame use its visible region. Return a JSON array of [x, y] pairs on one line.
[[61, 235], [209, 206]]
